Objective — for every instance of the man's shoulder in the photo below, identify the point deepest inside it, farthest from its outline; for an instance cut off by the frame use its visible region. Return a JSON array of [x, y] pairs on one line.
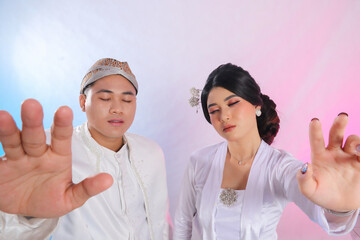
[[136, 141], [76, 131]]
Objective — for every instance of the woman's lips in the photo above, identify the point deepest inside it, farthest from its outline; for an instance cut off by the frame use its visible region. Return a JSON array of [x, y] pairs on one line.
[[228, 128], [116, 122]]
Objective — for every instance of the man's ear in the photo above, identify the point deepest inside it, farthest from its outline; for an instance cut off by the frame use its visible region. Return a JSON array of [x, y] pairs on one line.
[[82, 100]]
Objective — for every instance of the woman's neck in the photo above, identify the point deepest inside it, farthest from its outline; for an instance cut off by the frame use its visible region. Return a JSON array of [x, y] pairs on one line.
[[243, 151]]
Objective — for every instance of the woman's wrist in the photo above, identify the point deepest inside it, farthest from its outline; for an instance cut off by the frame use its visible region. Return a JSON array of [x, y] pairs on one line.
[[340, 214]]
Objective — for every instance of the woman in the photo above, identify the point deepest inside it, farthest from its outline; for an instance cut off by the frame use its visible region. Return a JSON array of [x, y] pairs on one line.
[[238, 189]]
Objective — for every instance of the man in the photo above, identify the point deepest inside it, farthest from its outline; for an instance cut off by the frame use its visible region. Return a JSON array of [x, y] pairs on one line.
[[45, 188]]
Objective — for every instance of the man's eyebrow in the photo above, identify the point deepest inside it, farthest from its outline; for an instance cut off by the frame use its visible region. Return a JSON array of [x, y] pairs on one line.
[[227, 98], [105, 91], [128, 93], [109, 91]]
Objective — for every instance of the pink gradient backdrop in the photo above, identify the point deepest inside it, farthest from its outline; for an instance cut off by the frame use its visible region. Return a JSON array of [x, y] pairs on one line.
[[304, 54]]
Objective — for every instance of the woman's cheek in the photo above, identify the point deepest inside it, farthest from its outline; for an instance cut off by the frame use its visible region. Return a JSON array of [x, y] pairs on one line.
[[213, 120]]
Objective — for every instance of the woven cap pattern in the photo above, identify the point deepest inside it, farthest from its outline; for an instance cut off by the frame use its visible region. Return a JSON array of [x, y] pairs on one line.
[[105, 67]]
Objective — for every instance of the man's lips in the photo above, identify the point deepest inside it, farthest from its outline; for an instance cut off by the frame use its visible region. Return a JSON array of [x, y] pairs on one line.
[[228, 128], [116, 122]]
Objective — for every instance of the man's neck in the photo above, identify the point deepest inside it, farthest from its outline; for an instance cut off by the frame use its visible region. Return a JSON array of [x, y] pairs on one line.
[[114, 144]]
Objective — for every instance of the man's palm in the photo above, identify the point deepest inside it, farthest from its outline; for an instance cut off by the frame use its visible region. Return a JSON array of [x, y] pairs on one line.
[[35, 178]]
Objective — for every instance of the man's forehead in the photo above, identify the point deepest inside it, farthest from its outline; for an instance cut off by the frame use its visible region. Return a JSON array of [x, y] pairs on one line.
[[114, 81]]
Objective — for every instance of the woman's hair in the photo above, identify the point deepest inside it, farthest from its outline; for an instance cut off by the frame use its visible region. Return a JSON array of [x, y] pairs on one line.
[[237, 80]]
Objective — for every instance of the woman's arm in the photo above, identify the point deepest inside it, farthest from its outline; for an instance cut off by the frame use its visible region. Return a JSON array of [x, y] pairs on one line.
[[186, 209]]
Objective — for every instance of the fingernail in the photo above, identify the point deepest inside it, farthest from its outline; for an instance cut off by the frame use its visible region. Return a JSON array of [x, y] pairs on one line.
[[304, 168], [315, 119], [357, 150], [343, 113]]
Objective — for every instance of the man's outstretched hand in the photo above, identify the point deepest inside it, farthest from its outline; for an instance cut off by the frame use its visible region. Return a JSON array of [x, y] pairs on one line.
[[35, 178]]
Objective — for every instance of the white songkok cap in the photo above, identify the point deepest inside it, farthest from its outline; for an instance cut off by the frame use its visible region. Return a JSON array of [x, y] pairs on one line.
[[105, 67]]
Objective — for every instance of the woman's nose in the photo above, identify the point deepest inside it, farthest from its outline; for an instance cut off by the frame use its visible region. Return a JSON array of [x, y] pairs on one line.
[[225, 115]]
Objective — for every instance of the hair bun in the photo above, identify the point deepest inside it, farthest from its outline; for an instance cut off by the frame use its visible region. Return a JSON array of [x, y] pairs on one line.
[[268, 123]]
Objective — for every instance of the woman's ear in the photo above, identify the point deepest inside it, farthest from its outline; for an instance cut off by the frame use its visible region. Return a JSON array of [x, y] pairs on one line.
[[258, 111], [82, 100]]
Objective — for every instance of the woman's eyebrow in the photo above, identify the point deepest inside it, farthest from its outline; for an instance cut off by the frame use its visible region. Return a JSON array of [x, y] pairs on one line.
[[227, 98], [210, 105], [231, 96]]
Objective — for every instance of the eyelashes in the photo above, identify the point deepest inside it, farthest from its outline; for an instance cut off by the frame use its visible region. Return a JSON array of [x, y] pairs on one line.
[[108, 99], [231, 104]]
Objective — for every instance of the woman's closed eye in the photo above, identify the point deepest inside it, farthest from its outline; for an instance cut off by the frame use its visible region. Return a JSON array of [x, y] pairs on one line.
[[213, 111], [233, 103]]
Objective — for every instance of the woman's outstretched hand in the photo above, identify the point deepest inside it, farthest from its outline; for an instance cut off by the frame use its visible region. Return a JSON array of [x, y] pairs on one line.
[[35, 178], [332, 180]]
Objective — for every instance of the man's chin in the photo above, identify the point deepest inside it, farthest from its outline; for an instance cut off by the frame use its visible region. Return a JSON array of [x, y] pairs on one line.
[[115, 134]]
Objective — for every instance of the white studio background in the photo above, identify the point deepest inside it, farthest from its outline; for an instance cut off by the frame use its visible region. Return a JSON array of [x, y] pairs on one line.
[[304, 54]]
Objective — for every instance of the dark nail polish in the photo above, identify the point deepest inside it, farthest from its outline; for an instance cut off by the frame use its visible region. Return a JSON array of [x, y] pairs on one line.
[[343, 113], [315, 119], [304, 168]]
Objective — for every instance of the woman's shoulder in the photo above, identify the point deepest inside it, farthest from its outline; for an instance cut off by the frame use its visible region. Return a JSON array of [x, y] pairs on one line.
[[281, 159], [201, 161], [205, 152], [276, 153]]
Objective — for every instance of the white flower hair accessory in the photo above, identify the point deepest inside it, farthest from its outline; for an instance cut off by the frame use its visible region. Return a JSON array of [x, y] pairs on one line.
[[195, 98]]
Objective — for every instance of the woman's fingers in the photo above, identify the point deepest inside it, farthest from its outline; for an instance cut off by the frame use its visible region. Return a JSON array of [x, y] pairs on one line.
[[336, 135], [307, 183], [32, 134], [61, 131], [10, 137], [352, 145], [316, 136]]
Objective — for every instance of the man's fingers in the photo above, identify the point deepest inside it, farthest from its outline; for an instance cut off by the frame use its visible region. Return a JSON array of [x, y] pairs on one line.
[[32, 134], [317, 143], [89, 187], [336, 135], [352, 145], [61, 131], [10, 137]]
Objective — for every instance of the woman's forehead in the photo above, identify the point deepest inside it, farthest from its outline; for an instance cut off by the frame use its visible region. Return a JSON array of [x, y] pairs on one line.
[[219, 93]]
